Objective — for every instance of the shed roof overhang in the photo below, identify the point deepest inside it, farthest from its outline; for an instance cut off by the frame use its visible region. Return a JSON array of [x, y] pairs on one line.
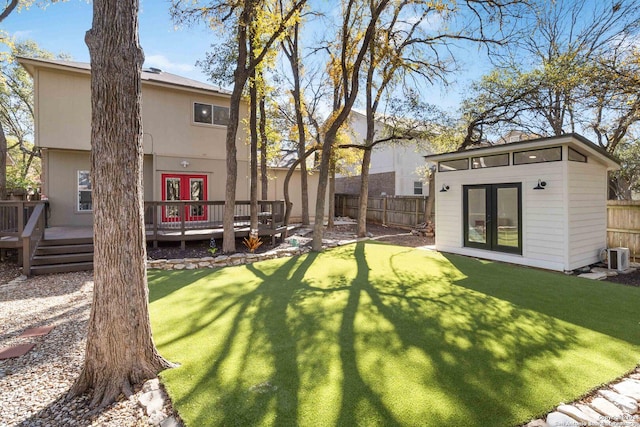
[[573, 140]]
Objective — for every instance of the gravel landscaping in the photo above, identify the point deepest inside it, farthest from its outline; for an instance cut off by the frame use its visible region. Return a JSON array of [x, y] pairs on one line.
[[33, 386]]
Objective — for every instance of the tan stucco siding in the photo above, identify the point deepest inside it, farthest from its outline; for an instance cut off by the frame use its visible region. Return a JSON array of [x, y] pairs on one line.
[[147, 177], [61, 188], [167, 116], [63, 104]]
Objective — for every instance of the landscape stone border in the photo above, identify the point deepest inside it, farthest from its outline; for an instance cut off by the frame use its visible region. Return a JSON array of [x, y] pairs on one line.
[[239, 258], [222, 260]]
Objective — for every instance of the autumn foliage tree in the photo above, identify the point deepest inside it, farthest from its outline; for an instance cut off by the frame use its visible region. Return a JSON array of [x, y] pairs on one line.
[[575, 71], [237, 19], [9, 7]]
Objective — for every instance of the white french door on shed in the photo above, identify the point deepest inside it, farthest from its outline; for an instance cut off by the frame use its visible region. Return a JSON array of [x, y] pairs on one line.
[[493, 217]]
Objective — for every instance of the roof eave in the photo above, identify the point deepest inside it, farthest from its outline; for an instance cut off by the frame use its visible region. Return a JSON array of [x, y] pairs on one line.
[[574, 139], [30, 64]]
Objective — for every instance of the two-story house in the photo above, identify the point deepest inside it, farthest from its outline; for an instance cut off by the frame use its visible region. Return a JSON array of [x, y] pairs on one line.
[[184, 131], [184, 125]]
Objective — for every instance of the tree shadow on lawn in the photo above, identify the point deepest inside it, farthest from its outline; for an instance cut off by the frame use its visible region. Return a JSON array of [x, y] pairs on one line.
[[601, 306], [405, 339]]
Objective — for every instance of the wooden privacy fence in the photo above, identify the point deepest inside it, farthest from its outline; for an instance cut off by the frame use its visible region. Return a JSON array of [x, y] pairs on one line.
[[623, 225], [394, 211]]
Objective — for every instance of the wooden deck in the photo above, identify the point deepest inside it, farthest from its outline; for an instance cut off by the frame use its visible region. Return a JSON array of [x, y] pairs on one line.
[[23, 226], [204, 231]]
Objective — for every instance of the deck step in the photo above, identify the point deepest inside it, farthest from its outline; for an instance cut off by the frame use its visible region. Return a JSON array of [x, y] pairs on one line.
[[66, 242], [63, 255], [64, 249], [62, 258], [61, 268]]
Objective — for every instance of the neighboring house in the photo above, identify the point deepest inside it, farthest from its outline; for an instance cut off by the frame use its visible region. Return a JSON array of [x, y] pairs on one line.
[[395, 168], [540, 202], [184, 125], [515, 136]]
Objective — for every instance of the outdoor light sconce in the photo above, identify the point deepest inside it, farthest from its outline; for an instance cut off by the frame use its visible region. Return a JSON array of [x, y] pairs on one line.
[[184, 163], [444, 188], [541, 185]]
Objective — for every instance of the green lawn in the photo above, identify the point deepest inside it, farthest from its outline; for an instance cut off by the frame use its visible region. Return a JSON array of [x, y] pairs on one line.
[[377, 335]]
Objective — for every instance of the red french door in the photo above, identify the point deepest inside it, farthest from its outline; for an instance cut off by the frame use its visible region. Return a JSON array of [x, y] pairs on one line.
[[184, 187]]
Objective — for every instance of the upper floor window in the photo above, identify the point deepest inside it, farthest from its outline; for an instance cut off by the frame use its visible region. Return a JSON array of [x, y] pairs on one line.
[[210, 114], [85, 203]]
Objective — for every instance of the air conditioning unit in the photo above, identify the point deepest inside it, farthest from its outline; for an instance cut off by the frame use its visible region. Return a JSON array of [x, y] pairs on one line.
[[618, 259]]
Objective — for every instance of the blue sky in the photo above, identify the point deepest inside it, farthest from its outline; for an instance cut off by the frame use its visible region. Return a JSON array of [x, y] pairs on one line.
[[60, 28]]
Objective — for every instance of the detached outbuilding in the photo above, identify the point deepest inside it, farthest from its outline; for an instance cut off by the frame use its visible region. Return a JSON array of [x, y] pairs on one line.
[[540, 203]]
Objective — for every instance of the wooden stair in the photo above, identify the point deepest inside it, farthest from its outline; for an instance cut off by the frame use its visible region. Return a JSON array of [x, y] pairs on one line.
[[63, 255]]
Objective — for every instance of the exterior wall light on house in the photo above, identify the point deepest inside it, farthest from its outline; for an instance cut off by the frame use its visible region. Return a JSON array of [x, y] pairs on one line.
[[541, 185], [184, 163], [444, 188]]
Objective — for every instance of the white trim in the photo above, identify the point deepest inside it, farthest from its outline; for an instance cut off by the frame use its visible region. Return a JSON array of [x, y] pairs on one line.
[[577, 142], [78, 210], [502, 257]]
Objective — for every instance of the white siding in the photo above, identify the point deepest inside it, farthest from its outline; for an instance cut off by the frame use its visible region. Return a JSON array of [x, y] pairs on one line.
[[543, 212], [587, 212]]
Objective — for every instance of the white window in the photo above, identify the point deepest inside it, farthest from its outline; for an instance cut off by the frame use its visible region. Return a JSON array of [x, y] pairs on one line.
[[417, 188], [85, 203], [210, 114]]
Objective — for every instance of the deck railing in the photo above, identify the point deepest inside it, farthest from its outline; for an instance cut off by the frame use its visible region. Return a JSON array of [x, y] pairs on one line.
[[31, 236], [22, 224], [13, 217], [180, 217]]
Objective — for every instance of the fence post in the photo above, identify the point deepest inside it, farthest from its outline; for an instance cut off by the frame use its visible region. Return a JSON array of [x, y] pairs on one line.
[[384, 210]]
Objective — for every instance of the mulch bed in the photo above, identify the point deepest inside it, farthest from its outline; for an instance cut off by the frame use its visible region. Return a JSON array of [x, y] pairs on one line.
[[198, 249], [631, 279]]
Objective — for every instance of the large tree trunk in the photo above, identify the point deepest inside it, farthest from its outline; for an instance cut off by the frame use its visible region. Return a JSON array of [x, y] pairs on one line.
[[253, 161], [349, 74], [294, 59], [428, 210], [364, 193], [287, 199], [264, 177], [332, 195], [321, 195], [241, 75], [3, 165], [120, 351], [228, 233]]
